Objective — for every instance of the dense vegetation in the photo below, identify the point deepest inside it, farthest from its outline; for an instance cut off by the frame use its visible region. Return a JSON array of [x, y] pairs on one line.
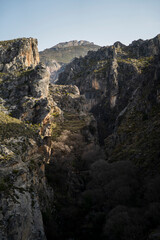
[[99, 200]]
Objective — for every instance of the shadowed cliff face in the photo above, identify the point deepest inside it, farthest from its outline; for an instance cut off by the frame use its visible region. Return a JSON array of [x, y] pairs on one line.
[[112, 196], [109, 77]]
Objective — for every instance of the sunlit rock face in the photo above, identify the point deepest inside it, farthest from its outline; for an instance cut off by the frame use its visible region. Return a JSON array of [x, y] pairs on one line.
[[25, 115], [24, 81], [18, 53]]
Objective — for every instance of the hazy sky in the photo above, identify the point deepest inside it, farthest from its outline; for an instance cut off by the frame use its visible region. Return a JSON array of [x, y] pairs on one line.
[[100, 21]]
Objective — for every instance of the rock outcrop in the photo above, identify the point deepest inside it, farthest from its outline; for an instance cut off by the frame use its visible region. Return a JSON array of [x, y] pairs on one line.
[[23, 189], [68, 98], [71, 117], [25, 119], [18, 54]]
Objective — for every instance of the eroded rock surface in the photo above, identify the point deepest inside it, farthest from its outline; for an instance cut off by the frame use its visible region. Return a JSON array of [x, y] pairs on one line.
[[24, 88], [18, 53]]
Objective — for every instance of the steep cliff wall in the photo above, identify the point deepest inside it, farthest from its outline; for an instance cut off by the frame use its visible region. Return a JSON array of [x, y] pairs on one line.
[[18, 53], [25, 119], [23, 189], [135, 136], [109, 77]]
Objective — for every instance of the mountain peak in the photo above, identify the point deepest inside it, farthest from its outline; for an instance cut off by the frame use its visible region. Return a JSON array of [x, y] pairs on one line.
[[73, 43], [59, 55]]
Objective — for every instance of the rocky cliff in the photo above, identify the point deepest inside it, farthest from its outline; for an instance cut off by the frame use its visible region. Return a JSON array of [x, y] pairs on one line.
[[109, 77], [24, 121], [81, 157], [57, 57], [40, 124], [17, 54]]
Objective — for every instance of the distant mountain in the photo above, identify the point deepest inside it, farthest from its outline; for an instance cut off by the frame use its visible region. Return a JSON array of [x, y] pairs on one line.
[[73, 43], [58, 56]]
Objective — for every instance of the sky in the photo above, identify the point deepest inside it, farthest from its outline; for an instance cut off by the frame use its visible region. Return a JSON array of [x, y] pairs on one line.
[[100, 21]]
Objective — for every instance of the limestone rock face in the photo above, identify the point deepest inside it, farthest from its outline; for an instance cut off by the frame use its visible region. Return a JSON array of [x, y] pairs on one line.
[[22, 183], [136, 118], [24, 95], [39, 82], [145, 48], [68, 97], [18, 53], [55, 69]]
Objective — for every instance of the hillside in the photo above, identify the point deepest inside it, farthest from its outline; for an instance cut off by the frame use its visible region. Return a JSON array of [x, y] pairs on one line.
[[57, 57], [109, 77], [80, 159], [121, 86]]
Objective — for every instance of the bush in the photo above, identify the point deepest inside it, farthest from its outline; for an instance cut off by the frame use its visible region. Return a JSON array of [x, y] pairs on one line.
[[123, 223]]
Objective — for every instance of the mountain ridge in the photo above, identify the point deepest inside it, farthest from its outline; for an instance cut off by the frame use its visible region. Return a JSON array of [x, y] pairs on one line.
[[80, 159], [73, 43], [56, 57]]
